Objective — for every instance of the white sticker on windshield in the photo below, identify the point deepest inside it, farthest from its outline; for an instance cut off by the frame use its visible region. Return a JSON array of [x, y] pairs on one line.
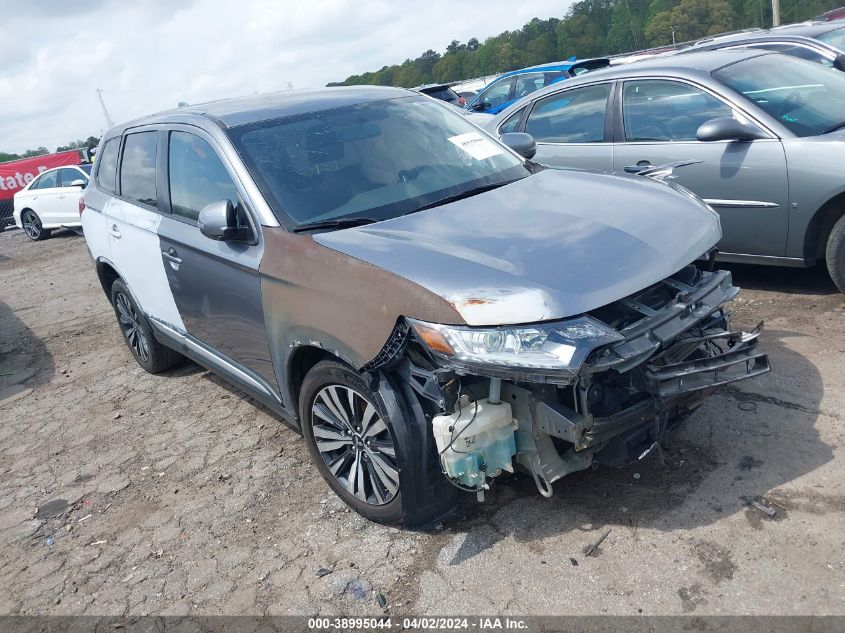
[[476, 145]]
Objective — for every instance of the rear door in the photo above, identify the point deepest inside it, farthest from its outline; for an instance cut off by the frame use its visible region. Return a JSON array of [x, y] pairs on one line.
[[215, 283], [746, 182], [572, 128], [44, 197], [133, 216]]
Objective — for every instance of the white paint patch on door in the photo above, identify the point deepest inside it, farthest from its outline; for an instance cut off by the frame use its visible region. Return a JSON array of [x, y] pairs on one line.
[[136, 253]]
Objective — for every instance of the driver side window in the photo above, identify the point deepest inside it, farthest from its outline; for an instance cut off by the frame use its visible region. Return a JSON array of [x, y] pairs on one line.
[[496, 95], [660, 110], [197, 176]]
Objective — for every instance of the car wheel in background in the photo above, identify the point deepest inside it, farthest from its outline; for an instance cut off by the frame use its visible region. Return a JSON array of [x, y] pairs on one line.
[[835, 254], [351, 440], [32, 226], [150, 354]]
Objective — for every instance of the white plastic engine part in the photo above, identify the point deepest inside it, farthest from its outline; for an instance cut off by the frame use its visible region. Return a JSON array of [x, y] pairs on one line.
[[475, 443]]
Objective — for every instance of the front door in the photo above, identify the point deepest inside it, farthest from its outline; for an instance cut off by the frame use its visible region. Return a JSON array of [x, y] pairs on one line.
[[67, 201], [570, 128], [215, 284], [745, 182]]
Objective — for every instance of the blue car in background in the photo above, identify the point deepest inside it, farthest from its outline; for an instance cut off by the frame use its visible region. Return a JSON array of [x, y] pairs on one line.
[[512, 86]]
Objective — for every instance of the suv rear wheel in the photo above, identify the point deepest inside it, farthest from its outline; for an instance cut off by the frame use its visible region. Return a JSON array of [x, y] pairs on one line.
[[150, 354], [351, 439], [835, 254]]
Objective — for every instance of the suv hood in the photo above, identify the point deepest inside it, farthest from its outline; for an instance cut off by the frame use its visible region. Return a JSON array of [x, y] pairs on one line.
[[552, 245]]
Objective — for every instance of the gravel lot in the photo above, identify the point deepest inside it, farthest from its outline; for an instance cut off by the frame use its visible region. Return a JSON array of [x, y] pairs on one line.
[[125, 493]]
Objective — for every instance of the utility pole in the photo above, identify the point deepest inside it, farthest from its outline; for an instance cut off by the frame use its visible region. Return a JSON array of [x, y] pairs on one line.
[[775, 12], [109, 121]]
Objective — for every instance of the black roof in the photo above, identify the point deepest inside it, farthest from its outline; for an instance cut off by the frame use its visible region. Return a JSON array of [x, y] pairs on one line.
[[244, 110]]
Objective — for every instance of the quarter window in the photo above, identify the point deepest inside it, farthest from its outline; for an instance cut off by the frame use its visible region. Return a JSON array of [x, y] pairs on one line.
[[46, 181], [512, 122], [660, 110], [197, 176], [69, 176], [573, 116], [107, 165], [138, 168]]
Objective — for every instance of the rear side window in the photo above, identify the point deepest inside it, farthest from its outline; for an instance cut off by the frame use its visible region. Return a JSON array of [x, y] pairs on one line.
[[107, 161], [574, 116], [197, 176], [46, 181], [138, 168]]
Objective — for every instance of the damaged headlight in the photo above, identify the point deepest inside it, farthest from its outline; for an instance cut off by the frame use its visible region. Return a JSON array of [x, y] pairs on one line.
[[558, 347]]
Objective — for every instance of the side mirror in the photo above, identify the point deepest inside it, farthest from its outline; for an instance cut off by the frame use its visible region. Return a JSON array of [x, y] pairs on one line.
[[523, 144], [78, 183], [727, 128], [839, 62], [480, 106], [219, 221]]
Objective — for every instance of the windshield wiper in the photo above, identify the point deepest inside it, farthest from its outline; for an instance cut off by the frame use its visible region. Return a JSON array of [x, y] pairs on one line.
[[334, 223], [833, 128], [460, 196]]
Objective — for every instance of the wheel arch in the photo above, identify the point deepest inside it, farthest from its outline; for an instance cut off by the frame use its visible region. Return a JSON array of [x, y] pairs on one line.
[[300, 362], [820, 226], [107, 274]]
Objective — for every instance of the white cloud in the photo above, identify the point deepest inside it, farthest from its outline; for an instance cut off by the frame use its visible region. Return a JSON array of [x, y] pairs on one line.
[[150, 55]]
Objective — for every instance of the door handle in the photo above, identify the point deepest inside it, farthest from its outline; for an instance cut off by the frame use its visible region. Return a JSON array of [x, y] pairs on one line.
[[61, 195], [114, 232], [640, 166], [172, 256]]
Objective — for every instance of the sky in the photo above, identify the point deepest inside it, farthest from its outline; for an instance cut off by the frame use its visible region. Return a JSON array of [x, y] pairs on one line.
[[148, 55]]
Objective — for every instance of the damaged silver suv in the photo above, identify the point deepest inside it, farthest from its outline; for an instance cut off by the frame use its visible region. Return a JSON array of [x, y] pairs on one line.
[[427, 306]]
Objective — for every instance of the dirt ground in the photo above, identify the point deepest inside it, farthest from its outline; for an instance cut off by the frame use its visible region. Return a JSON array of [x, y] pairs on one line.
[[126, 493]]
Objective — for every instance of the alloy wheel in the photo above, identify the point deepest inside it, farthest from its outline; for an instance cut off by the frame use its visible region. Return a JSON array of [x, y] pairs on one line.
[[131, 326], [355, 444], [31, 225]]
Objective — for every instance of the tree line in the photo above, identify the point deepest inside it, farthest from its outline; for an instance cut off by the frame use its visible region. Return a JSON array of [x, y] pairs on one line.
[[91, 141], [591, 28]]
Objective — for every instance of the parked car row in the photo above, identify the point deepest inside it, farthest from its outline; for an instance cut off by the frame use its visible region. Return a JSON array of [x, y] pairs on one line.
[[765, 133], [429, 307]]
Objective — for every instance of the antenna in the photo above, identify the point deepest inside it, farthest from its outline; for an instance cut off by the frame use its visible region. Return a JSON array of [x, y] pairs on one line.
[[109, 121]]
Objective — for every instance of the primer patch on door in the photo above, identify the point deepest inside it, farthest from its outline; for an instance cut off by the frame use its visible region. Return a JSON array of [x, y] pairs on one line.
[[476, 145]]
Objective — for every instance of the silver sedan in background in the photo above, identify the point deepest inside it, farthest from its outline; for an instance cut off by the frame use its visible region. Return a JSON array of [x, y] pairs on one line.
[[767, 132]]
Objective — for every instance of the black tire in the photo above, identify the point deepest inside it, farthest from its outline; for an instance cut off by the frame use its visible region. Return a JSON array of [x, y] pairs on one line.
[[835, 254], [383, 462], [32, 226], [150, 354]]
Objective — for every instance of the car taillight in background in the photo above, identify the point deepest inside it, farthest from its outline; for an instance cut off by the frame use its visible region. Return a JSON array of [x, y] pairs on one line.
[[81, 205]]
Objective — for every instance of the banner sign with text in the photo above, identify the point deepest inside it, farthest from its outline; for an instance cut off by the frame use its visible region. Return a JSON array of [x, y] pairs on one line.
[[17, 174]]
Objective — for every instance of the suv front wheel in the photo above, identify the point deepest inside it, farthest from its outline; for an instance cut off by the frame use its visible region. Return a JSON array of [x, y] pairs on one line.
[[350, 438]]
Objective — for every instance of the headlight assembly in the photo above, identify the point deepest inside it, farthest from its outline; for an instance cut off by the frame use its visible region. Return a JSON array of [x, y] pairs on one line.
[[552, 349]]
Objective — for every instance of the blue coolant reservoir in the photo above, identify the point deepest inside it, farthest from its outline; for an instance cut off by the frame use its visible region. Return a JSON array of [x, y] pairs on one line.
[[476, 441]]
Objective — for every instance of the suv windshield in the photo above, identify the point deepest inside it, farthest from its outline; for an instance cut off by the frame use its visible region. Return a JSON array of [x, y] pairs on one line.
[[807, 98], [376, 160]]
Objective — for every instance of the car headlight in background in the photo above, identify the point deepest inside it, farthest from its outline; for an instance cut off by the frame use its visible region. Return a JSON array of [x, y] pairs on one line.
[[546, 348]]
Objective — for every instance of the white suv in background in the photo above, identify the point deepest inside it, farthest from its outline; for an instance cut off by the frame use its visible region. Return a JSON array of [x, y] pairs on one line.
[[51, 201]]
